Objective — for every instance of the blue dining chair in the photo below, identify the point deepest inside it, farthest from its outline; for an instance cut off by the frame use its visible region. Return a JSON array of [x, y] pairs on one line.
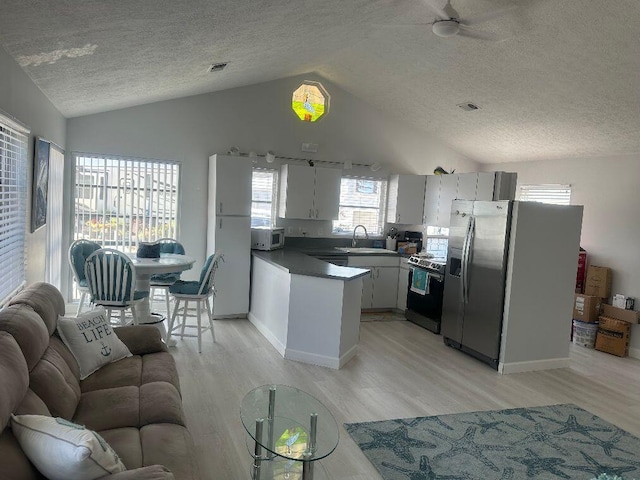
[[78, 253], [199, 292], [111, 279], [162, 281]]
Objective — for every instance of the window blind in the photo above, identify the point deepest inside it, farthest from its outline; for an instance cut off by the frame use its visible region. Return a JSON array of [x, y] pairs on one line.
[[361, 203], [263, 196], [120, 202], [546, 193], [13, 200]]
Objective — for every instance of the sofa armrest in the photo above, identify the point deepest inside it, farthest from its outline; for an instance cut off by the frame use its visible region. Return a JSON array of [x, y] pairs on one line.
[[152, 472], [141, 339]]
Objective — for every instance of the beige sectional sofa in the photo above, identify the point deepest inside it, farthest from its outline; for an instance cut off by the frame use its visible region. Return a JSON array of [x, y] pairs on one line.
[[134, 403]]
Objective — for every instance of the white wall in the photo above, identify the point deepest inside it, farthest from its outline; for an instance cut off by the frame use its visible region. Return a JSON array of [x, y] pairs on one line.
[[20, 98], [257, 118], [609, 189]]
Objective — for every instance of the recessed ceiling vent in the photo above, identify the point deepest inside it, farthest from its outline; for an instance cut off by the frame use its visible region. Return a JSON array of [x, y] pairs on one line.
[[468, 106], [217, 67]]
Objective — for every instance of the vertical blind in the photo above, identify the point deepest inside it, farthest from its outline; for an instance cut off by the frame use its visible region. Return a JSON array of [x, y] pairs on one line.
[[53, 265], [362, 202], [120, 202], [546, 193], [263, 197], [13, 200]]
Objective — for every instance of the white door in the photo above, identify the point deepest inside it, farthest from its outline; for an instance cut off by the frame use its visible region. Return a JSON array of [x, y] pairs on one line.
[[385, 287], [431, 199], [467, 183], [233, 239], [403, 286], [231, 180], [486, 181], [327, 193], [299, 185], [367, 290], [409, 208], [448, 191]]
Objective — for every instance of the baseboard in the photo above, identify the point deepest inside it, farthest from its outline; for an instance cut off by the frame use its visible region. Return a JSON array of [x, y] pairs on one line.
[[348, 356], [518, 367], [266, 333], [227, 317], [313, 359], [634, 353]]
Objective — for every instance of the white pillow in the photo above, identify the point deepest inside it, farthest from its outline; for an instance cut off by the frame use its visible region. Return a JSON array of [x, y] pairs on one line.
[[91, 340], [62, 450]]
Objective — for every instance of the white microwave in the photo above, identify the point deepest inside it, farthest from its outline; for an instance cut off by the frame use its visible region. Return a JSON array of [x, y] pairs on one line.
[[265, 238]]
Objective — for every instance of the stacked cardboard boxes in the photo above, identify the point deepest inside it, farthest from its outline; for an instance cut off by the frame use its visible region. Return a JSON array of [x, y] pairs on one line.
[[614, 330]]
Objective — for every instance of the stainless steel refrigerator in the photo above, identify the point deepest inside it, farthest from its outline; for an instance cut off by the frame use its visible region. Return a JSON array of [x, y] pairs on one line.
[[486, 267]]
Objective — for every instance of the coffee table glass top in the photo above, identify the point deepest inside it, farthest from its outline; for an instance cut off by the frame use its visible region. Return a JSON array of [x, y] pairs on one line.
[[289, 435]]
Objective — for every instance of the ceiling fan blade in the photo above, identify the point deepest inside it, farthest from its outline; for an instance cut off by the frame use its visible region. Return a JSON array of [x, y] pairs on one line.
[[478, 34], [439, 11], [485, 17]]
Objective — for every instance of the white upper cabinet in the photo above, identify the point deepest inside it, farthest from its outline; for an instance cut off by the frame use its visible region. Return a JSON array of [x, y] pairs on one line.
[[448, 192], [406, 199], [229, 185], [484, 190], [467, 183], [309, 193], [431, 200], [327, 193]]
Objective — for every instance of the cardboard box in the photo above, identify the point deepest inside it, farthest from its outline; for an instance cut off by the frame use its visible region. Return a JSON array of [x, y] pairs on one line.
[[586, 308], [407, 247], [598, 282], [629, 316], [613, 336], [582, 270]]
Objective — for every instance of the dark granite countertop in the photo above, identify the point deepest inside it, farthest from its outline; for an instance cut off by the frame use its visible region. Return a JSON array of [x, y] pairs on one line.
[[298, 263]]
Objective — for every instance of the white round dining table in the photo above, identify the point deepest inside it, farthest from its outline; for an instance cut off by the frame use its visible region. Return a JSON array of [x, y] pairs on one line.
[[145, 268]]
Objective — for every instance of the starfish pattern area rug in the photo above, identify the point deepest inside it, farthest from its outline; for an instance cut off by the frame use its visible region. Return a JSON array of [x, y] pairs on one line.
[[550, 442]]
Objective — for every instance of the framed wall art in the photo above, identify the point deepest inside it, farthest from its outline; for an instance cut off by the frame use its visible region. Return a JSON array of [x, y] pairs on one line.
[[40, 184]]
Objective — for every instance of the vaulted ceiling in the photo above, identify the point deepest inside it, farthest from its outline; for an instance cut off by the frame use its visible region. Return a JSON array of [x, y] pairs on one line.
[[562, 81]]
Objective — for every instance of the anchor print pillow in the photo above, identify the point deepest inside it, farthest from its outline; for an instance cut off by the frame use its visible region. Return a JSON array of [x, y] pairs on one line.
[[91, 340]]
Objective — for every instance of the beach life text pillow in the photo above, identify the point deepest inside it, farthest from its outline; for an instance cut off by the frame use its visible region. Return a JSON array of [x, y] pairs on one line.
[[91, 340]]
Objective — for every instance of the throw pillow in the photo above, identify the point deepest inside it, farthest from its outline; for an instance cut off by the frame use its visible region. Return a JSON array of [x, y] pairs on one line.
[[91, 340], [62, 450]]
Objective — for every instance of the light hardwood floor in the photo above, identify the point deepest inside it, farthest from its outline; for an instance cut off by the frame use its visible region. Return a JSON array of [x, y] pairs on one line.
[[401, 370]]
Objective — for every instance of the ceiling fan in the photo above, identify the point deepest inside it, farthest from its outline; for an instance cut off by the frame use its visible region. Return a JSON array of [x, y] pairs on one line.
[[449, 23]]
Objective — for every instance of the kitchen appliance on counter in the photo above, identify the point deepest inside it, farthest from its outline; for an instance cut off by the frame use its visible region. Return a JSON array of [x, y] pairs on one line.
[[510, 271], [425, 291], [265, 238]]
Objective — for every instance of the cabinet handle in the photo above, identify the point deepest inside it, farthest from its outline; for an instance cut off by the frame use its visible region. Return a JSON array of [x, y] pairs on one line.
[[311, 213], [220, 221], [377, 273], [317, 212], [398, 218], [220, 207]]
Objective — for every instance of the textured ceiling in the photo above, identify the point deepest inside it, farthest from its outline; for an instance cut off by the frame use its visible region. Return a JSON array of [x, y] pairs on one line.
[[563, 82]]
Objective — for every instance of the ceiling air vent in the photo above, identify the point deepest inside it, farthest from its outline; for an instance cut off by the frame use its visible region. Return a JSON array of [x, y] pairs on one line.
[[468, 106], [217, 67]]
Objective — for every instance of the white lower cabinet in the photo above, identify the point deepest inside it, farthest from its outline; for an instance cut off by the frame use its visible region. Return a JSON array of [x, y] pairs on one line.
[[380, 287], [403, 284]]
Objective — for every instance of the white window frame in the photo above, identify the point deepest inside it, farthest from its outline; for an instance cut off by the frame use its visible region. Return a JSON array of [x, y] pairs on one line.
[[14, 138], [274, 195], [552, 193], [384, 185]]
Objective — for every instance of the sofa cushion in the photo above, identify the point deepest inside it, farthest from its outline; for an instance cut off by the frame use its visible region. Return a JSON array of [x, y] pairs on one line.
[[28, 329], [123, 373], [14, 377], [53, 381], [61, 450], [91, 340], [169, 445], [160, 402], [126, 443], [45, 299], [32, 404], [152, 472], [109, 408], [15, 465]]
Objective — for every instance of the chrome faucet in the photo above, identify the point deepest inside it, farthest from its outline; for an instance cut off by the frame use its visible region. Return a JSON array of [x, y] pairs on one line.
[[354, 242]]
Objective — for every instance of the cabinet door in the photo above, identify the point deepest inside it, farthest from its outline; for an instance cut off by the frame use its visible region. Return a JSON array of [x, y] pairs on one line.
[[403, 286], [327, 193], [448, 191], [297, 186], [367, 290], [484, 191], [230, 179], [431, 199], [410, 199], [467, 183], [385, 287]]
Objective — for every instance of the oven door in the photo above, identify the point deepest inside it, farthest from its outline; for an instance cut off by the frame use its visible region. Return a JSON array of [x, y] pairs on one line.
[[426, 310]]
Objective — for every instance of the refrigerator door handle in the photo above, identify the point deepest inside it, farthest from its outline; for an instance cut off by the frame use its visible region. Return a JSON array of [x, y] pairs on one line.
[[463, 273], [470, 240]]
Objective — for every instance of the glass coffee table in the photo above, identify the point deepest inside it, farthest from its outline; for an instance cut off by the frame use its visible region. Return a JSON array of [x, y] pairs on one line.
[[291, 431]]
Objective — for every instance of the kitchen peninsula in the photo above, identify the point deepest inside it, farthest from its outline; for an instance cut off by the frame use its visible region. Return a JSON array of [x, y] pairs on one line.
[[308, 309]]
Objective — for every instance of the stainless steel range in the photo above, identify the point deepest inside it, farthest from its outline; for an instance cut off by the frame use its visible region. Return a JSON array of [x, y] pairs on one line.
[[425, 291]]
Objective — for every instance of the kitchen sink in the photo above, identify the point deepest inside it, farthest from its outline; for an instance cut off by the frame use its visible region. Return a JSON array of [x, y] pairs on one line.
[[366, 250]]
